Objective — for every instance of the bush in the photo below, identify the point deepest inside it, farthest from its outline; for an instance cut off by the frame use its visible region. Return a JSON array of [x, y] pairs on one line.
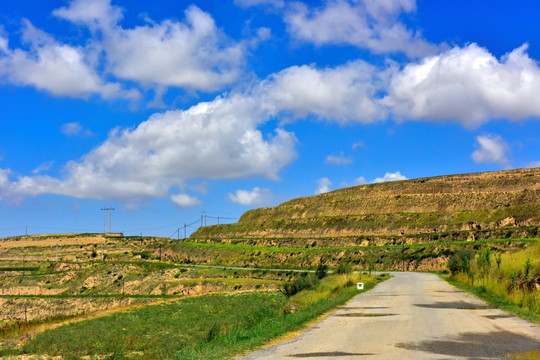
[[461, 261], [344, 268], [303, 282], [321, 271]]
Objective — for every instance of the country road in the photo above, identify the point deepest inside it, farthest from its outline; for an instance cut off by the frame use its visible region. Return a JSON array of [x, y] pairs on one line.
[[410, 316]]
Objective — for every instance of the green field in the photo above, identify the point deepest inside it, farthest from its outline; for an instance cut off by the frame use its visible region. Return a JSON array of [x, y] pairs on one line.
[[215, 326]]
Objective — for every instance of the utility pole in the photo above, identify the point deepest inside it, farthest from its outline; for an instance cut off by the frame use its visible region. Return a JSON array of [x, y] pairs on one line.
[[105, 209], [178, 235], [204, 216], [110, 218], [185, 231]]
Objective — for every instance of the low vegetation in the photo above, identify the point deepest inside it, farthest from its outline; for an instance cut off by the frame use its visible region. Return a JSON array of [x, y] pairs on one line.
[[510, 280], [207, 327]]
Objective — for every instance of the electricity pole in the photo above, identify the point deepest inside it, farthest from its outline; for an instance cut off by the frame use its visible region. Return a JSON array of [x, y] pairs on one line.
[[110, 218], [105, 209], [104, 219]]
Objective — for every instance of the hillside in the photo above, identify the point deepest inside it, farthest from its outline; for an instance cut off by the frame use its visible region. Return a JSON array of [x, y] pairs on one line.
[[457, 207]]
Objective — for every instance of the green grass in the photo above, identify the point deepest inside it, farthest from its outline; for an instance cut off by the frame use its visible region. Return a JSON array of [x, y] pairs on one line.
[[506, 286], [226, 281], [494, 300], [341, 248], [206, 327]]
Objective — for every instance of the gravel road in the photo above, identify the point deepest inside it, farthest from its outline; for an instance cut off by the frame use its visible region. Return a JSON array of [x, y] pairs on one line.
[[411, 316]]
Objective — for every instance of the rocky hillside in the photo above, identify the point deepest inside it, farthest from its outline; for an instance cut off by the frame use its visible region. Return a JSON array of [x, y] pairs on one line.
[[480, 205]]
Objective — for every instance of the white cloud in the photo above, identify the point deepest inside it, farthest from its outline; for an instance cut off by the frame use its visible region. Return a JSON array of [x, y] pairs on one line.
[[264, 33], [387, 177], [72, 128], [257, 196], [184, 200], [267, 3], [43, 167], [369, 24], [468, 85], [533, 164], [60, 69], [390, 177], [96, 14], [357, 145], [191, 54], [491, 149], [344, 93], [323, 185], [212, 140], [360, 181], [340, 159]]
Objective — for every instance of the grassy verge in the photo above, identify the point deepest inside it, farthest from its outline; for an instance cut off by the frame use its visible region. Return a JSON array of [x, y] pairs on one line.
[[508, 280], [206, 327], [494, 300]]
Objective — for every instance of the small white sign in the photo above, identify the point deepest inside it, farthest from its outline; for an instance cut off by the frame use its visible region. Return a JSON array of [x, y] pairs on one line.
[[360, 286]]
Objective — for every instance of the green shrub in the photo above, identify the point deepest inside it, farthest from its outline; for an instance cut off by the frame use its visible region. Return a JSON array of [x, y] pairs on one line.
[[344, 268], [304, 282], [461, 261], [321, 271]]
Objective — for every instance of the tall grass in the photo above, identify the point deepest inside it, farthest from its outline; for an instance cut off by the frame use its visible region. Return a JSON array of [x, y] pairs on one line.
[[510, 280]]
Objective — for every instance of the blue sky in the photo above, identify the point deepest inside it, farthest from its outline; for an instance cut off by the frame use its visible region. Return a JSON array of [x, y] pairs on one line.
[[164, 109]]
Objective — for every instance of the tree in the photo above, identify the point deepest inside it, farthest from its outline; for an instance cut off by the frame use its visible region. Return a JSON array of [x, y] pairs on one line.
[[461, 262], [321, 271], [484, 262]]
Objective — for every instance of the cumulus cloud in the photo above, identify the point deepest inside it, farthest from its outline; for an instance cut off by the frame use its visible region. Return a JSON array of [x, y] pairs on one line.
[[390, 177], [219, 139], [344, 93], [212, 140], [323, 185], [96, 14], [192, 54], [257, 196], [468, 85], [340, 159], [184, 200], [369, 24], [491, 149], [60, 69]]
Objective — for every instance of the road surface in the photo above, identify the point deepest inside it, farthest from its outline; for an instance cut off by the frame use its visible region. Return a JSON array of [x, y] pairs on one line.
[[411, 316]]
